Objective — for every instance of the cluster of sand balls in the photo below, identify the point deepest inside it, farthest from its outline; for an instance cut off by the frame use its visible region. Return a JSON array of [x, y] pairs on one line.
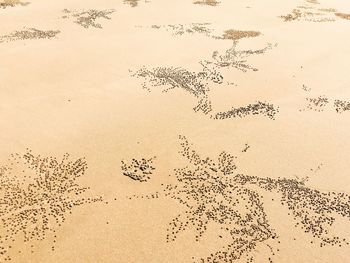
[[205, 188], [173, 77], [316, 104], [36, 195], [195, 83], [88, 18], [212, 192], [320, 103], [341, 105], [236, 58], [314, 211], [30, 33], [138, 170], [258, 108], [199, 83], [204, 105]]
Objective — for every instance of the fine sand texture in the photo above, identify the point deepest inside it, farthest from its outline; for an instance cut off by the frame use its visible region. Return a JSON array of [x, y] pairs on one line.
[[175, 131]]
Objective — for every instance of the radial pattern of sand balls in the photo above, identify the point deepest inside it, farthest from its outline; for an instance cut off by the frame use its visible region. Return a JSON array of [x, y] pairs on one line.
[[206, 189], [211, 197], [235, 58], [36, 195], [212, 191]]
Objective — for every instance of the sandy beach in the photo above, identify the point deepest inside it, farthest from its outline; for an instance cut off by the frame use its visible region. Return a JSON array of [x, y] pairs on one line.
[[180, 131]]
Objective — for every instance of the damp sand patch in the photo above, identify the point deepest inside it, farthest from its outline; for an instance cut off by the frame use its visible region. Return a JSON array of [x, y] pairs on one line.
[[236, 35], [343, 16], [133, 3]]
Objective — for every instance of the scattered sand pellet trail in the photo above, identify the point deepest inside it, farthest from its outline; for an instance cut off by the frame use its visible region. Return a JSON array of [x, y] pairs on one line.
[[30, 33], [207, 2], [163, 131], [12, 3]]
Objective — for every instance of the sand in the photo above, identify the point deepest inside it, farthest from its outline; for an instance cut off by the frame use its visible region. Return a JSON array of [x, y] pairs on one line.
[[174, 131]]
